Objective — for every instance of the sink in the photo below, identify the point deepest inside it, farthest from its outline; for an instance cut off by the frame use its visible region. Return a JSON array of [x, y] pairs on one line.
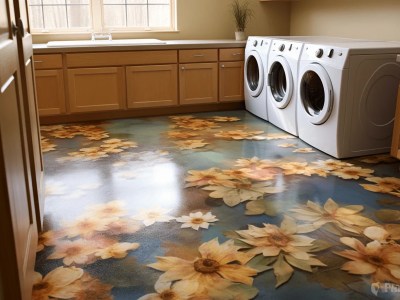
[[86, 43]]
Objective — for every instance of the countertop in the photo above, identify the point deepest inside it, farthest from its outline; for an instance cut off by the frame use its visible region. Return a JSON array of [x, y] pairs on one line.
[[170, 44]]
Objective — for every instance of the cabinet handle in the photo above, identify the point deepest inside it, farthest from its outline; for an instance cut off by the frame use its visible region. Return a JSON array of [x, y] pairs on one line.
[[235, 54], [38, 61], [198, 55]]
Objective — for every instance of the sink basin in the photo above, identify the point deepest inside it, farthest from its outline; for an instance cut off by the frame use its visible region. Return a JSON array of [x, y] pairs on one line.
[[86, 43]]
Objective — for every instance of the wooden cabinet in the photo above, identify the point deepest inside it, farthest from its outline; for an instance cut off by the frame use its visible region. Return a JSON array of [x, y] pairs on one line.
[[231, 81], [231, 68], [198, 83], [49, 84], [198, 76], [96, 89], [152, 86]]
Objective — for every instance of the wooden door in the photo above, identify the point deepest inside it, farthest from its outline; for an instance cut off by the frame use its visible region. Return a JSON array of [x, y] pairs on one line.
[[30, 107], [152, 86], [96, 89], [231, 81], [18, 228], [50, 92], [198, 83]]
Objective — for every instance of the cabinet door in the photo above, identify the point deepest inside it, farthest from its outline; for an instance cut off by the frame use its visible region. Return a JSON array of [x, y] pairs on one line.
[[50, 92], [96, 89], [231, 81], [198, 83], [151, 86]]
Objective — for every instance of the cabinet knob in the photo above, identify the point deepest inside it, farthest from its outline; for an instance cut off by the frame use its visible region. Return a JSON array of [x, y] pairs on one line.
[[222, 66], [182, 68]]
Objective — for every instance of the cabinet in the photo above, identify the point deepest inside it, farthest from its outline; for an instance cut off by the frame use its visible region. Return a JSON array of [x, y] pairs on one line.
[[231, 68], [96, 89], [151, 86], [49, 84], [198, 76]]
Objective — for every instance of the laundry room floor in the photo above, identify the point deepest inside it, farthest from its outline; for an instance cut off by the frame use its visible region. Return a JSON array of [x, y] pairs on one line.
[[212, 206]]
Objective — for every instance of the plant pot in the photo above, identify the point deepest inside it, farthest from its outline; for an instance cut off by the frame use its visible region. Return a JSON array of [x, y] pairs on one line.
[[240, 36]]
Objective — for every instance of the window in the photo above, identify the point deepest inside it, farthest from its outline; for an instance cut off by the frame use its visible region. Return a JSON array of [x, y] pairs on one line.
[[101, 15]]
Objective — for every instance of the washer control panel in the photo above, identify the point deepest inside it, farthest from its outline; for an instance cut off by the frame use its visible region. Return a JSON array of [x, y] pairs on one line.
[[287, 48], [325, 54]]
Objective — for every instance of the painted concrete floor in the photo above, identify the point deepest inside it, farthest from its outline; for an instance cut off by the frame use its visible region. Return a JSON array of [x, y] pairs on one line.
[[212, 206]]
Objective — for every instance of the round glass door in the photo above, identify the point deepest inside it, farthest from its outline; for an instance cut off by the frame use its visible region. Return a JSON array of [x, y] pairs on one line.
[[316, 93], [280, 82], [254, 76]]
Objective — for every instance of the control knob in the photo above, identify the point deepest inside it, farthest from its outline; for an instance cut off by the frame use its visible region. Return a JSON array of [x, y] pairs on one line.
[[281, 47], [319, 53], [255, 43]]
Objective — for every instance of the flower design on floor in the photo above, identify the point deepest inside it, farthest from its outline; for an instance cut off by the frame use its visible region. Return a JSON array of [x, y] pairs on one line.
[[181, 134], [167, 290], [238, 134], [205, 177], [287, 145], [217, 266], [151, 216], [279, 136], [303, 150], [346, 218], [387, 185], [197, 220], [91, 132], [190, 144], [47, 146], [380, 261], [352, 172], [225, 119], [287, 248]]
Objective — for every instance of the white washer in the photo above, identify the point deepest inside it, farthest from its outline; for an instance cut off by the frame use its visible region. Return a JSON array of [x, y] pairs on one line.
[[256, 57], [347, 97], [282, 83]]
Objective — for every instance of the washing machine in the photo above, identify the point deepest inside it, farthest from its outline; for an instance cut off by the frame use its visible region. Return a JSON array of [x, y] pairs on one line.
[[347, 97], [282, 83], [256, 57]]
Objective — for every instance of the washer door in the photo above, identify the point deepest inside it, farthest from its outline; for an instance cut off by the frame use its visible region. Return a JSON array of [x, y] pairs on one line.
[[316, 93], [280, 81], [254, 74]]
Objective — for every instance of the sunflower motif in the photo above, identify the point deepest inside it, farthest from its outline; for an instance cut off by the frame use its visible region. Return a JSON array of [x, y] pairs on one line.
[[389, 185], [117, 250], [217, 264], [169, 291], [331, 164], [197, 220], [190, 144], [151, 216], [205, 177], [58, 283], [380, 261], [352, 172], [46, 145], [237, 134], [181, 134], [290, 248], [225, 119], [74, 252], [346, 217], [303, 150]]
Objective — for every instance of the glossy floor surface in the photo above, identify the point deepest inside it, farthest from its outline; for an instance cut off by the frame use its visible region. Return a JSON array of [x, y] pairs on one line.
[[212, 206]]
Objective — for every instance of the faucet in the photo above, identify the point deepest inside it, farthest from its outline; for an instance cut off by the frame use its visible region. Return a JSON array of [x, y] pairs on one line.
[[101, 36]]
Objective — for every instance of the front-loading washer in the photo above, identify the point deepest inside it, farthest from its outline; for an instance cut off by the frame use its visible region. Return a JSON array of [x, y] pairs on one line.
[[282, 83], [347, 97], [256, 57]]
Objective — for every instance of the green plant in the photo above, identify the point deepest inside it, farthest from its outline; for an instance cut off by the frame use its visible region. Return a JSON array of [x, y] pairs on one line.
[[242, 13]]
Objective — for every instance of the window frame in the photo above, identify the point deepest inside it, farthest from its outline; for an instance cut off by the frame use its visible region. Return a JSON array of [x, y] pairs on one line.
[[96, 18]]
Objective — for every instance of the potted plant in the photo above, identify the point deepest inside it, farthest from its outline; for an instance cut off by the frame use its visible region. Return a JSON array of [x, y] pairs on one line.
[[242, 14]]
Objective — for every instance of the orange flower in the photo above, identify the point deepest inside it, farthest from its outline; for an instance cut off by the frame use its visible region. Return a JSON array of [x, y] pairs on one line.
[[205, 177], [382, 262], [352, 172]]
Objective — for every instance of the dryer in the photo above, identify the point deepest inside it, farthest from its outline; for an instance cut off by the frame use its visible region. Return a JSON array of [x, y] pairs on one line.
[[282, 83], [347, 97], [256, 57]]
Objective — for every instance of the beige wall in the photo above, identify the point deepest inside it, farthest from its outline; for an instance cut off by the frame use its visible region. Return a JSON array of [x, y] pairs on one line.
[[210, 19], [372, 19]]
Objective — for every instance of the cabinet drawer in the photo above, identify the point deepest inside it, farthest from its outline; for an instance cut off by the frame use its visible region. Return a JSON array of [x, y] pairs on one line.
[[200, 55], [47, 61], [121, 58], [231, 54]]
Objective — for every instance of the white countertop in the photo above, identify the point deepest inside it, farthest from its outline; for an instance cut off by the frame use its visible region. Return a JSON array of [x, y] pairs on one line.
[[169, 44]]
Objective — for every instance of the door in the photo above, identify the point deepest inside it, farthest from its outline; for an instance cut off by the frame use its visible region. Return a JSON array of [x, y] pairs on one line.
[[96, 89], [254, 73], [152, 86], [231, 81], [280, 82], [18, 228], [30, 107], [316, 94], [198, 83]]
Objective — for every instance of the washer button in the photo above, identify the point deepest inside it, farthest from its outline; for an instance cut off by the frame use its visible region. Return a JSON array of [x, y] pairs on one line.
[[330, 54], [255, 43], [319, 53]]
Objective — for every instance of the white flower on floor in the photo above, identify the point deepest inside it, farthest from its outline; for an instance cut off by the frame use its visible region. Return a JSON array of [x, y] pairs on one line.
[[117, 250], [197, 220], [151, 216], [165, 290], [287, 145]]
